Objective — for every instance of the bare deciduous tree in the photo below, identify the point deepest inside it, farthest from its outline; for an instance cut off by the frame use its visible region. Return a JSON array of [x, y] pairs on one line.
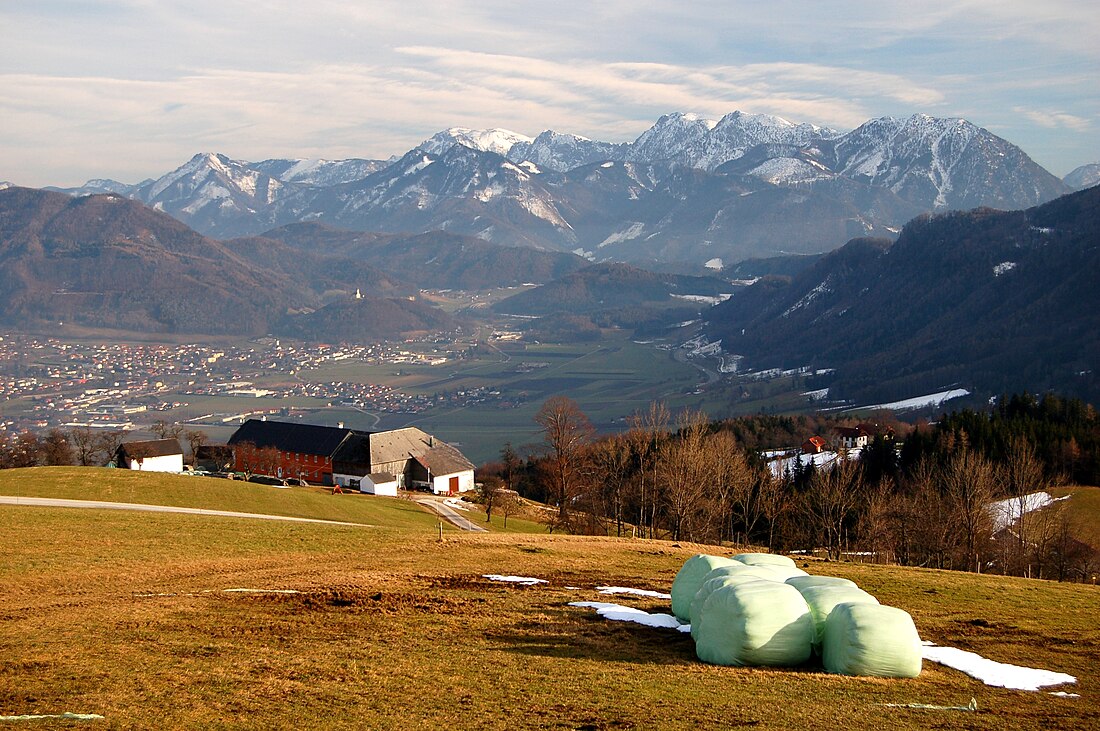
[[831, 499], [566, 432], [195, 439], [970, 481]]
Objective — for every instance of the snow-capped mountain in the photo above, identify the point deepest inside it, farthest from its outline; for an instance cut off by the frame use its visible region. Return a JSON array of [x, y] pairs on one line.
[[1083, 177], [460, 189], [499, 141], [678, 138], [212, 192], [942, 164], [562, 152]]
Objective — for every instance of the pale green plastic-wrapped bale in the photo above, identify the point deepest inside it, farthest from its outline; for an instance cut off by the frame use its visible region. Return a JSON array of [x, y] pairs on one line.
[[690, 578], [722, 576], [870, 639], [822, 598], [805, 582], [783, 566], [754, 623], [765, 559]]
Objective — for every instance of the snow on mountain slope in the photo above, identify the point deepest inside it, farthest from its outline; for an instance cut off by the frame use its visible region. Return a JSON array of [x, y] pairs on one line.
[[499, 141], [319, 172], [737, 132], [562, 152], [678, 137]]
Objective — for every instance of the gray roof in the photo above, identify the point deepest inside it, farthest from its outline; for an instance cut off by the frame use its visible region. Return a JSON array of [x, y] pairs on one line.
[[379, 478], [398, 445], [443, 459]]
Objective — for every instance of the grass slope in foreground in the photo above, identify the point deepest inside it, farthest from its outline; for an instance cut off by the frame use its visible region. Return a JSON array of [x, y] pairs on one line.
[[125, 615]]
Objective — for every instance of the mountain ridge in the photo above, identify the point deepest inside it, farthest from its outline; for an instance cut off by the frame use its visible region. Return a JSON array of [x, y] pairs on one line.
[[548, 192]]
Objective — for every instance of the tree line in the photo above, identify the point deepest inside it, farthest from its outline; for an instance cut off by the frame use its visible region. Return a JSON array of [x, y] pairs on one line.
[[914, 496]]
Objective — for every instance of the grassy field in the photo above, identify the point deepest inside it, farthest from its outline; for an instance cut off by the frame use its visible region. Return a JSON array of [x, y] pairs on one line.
[[126, 615]]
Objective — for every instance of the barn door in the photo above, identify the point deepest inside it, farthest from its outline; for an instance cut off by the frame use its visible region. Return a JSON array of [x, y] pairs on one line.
[[452, 486]]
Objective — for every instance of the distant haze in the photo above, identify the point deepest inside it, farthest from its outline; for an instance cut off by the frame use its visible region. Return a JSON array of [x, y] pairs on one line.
[[126, 89]]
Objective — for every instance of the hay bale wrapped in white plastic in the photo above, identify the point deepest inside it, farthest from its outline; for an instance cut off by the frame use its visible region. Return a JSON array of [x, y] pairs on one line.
[[782, 565], [805, 582], [722, 576], [754, 623], [823, 598], [690, 578], [871, 639]]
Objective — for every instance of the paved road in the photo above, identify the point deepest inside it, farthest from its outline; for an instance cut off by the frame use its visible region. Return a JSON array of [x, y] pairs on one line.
[[101, 505], [450, 514]]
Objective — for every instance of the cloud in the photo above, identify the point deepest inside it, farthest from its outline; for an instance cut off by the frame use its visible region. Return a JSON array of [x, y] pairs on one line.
[[137, 85], [1055, 119]]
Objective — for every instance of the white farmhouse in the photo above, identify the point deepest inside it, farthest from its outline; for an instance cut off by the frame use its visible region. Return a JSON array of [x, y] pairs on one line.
[[155, 455]]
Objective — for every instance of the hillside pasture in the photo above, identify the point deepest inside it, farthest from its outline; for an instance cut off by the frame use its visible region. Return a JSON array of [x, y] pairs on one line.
[[128, 615]]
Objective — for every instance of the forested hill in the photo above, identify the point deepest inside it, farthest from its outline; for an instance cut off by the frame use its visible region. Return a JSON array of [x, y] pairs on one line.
[[608, 286], [993, 301]]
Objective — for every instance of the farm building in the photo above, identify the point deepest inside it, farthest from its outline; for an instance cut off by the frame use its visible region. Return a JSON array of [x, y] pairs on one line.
[[379, 483], [154, 455], [854, 437], [346, 457], [814, 445]]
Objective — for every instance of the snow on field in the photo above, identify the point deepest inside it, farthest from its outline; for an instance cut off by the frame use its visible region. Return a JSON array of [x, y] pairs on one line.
[[932, 399], [456, 503], [525, 580], [635, 592], [619, 613], [715, 263], [990, 672], [821, 459], [1007, 512]]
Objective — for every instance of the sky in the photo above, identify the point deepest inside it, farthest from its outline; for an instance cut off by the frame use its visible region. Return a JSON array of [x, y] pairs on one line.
[[131, 89]]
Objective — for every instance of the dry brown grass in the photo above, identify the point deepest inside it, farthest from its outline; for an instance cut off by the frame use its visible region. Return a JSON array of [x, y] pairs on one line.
[[395, 629]]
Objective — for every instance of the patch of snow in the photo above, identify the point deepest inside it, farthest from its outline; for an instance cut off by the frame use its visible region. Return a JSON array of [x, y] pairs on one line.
[[636, 592], [702, 298], [457, 503], [820, 459], [714, 263], [607, 165], [992, 673], [619, 613], [809, 297], [530, 167], [934, 400], [524, 580], [818, 395], [1008, 511], [1063, 694], [425, 161], [1004, 266], [586, 254], [633, 231]]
